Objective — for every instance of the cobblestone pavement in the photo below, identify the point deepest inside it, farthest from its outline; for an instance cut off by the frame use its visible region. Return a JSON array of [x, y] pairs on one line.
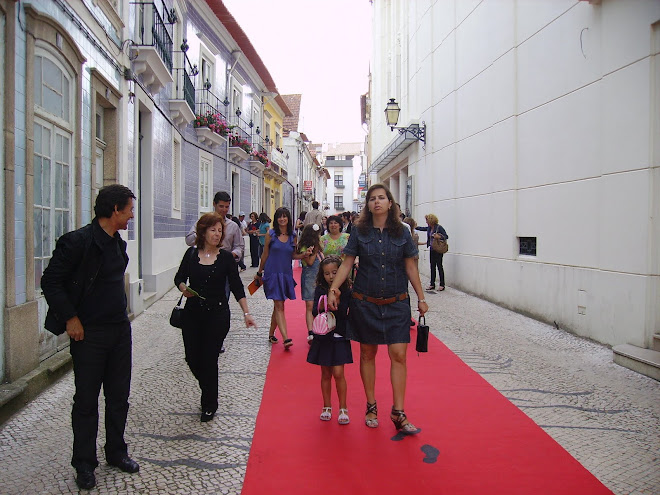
[[606, 416]]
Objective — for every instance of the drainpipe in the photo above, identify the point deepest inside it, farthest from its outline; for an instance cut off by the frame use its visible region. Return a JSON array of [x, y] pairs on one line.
[[236, 55]]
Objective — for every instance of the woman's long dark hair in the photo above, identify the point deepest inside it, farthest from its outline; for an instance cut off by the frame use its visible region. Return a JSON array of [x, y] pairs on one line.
[[282, 211], [320, 279], [310, 237], [393, 223]]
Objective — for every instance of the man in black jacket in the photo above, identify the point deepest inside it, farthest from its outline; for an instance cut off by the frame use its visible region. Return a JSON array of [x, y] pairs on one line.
[[84, 287]]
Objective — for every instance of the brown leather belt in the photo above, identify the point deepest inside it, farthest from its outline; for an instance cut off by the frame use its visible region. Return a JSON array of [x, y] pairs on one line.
[[380, 301]]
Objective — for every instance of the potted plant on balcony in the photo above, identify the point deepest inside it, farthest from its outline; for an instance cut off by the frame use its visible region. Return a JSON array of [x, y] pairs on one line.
[[239, 142], [214, 122], [261, 156]]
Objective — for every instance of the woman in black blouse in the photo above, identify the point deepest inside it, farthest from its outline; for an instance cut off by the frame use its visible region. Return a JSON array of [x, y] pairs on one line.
[[206, 317]]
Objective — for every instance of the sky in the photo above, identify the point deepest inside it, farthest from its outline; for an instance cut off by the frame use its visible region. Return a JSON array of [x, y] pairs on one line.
[[320, 49]]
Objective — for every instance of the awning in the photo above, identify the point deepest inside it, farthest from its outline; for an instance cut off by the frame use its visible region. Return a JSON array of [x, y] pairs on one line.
[[396, 147]]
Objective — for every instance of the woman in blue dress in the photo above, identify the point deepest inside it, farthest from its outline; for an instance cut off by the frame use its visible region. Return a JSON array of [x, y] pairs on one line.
[[276, 273], [380, 306]]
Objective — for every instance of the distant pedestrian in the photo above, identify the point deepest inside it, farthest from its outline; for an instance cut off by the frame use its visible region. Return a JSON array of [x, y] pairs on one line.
[[300, 223], [253, 232], [434, 229], [84, 287], [207, 269], [276, 273], [314, 216], [415, 236], [264, 227], [332, 350]]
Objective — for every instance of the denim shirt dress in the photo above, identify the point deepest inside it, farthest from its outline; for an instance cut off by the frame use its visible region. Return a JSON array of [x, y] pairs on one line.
[[381, 273]]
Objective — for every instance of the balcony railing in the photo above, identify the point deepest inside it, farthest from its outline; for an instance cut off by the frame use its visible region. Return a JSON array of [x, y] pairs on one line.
[[153, 30], [206, 102], [241, 128]]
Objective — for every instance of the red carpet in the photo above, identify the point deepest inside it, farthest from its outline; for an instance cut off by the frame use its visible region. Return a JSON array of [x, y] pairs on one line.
[[483, 443]]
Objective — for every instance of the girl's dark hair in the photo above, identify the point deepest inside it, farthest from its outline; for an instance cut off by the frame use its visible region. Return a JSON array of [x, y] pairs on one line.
[[256, 215], [205, 222], [263, 218], [310, 237], [280, 212], [302, 215], [366, 220], [320, 279], [111, 196], [335, 218]]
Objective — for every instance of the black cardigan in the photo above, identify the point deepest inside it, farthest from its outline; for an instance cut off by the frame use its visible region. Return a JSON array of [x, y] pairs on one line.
[[194, 274]]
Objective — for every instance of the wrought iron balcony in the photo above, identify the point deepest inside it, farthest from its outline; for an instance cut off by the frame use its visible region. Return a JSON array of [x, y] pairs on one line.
[[206, 102], [154, 44], [208, 105], [182, 104]]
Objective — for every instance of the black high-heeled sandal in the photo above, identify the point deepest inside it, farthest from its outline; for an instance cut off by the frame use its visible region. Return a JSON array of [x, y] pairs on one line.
[[407, 428], [371, 409], [272, 339], [287, 343]]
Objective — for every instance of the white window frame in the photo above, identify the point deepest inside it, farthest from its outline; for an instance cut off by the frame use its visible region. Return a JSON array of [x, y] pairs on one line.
[[207, 55], [177, 180], [63, 128], [205, 191]]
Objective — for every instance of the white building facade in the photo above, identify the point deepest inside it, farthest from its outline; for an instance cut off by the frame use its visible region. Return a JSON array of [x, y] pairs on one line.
[[541, 151]]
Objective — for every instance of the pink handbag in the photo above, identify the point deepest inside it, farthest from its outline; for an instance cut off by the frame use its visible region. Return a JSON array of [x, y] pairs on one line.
[[325, 321]]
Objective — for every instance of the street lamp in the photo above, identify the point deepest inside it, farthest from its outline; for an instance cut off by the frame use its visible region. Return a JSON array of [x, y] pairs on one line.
[[392, 111]]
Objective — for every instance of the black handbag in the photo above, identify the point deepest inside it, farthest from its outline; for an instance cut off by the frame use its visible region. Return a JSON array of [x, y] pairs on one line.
[[422, 344], [177, 314]]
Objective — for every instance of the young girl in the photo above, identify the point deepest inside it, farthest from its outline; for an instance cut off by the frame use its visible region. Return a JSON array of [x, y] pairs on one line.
[[310, 268], [333, 350]]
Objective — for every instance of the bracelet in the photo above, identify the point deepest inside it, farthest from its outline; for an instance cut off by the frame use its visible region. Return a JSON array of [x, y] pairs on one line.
[[260, 274], [246, 314], [421, 301]]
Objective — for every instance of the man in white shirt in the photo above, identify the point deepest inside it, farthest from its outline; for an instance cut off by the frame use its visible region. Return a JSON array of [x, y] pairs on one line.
[[314, 216]]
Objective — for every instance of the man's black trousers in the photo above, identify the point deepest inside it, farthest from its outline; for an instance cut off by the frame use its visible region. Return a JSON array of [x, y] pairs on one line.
[[103, 357]]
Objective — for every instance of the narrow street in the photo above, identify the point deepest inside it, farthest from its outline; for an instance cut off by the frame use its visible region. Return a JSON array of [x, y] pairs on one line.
[[606, 416]]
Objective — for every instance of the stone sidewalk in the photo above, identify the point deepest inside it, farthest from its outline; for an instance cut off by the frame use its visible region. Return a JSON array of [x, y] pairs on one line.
[[606, 416]]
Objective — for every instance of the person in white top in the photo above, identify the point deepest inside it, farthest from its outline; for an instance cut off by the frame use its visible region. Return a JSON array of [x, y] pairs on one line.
[[314, 216]]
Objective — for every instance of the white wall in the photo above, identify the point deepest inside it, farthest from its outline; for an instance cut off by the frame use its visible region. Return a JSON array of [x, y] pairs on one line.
[[539, 123]]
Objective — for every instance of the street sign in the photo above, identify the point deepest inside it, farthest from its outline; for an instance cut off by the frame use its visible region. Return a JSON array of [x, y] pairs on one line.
[[307, 186]]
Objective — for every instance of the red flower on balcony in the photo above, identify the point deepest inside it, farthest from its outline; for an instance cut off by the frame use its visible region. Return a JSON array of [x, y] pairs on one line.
[[261, 156], [215, 122], [240, 142]]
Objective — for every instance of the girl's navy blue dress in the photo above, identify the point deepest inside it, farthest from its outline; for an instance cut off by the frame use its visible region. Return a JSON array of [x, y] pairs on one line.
[[332, 349]]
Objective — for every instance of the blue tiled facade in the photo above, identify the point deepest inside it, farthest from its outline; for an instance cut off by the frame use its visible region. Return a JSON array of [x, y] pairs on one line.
[[109, 57]]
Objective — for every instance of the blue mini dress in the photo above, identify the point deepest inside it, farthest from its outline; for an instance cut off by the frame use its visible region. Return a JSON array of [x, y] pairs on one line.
[[278, 272]]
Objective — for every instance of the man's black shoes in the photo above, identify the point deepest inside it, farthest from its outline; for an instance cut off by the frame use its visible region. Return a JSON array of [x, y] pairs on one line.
[[85, 479], [126, 464]]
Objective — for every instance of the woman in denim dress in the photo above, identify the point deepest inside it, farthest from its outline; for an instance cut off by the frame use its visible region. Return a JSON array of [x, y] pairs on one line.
[[380, 307]]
